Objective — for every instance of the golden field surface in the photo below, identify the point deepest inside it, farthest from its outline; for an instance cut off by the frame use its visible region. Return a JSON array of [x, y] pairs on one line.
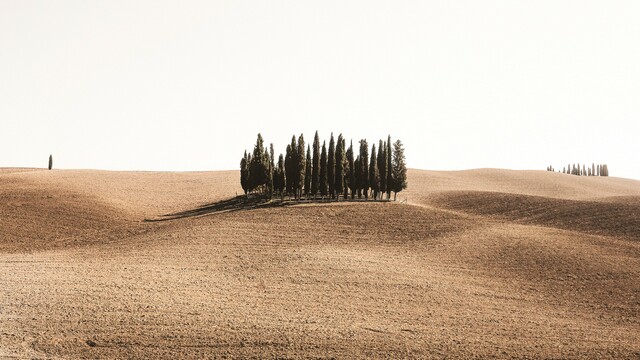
[[478, 263]]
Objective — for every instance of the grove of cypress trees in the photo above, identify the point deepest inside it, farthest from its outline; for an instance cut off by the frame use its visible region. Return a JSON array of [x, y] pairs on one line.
[[364, 166], [302, 164], [351, 182], [307, 173], [374, 176], [399, 169], [331, 167], [340, 168], [322, 184], [382, 167], [315, 173]]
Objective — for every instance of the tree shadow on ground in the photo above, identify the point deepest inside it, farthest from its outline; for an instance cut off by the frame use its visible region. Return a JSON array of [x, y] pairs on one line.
[[242, 203], [237, 203]]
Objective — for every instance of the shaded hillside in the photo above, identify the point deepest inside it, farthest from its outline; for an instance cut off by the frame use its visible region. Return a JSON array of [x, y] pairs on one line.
[[618, 218]]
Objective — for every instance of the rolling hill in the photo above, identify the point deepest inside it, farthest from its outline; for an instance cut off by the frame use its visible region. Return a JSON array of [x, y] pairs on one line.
[[477, 263]]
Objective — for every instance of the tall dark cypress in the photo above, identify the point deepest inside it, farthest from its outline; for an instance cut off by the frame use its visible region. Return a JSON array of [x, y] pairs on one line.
[[331, 168], [302, 164], [399, 169], [281, 176], [323, 171], [364, 168], [307, 173], [244, 173], [374, 175], [382, 167], [289, 163], [316, 165], [357, 170], [351, 170], [390, 184], [295, 175], [272, 167], [259, 166], [340, 170]]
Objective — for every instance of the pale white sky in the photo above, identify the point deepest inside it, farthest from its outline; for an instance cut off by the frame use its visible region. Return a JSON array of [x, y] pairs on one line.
[[187, 85]]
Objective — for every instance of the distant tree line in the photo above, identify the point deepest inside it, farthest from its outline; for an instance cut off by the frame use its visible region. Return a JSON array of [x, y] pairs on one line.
[[594, 170], [332, 173]]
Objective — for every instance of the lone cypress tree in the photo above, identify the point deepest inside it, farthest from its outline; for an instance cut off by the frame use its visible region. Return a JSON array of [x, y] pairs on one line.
[[307, 173], [302, 165], [316, 166], [323, 171], [382, 167], [351, 170], [390, 184], [50, 162], [374, 176], [399, 169], [331, 167], [340, 168], [364, 166]]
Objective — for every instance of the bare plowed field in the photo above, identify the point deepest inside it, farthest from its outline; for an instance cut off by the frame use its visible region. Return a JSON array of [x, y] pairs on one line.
[[479, 263]]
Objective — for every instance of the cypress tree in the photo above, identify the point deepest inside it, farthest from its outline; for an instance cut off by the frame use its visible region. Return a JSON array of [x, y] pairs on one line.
[[340, 170], [382, 167], [358, 175], [281, 176], [295, 175], [50, 162], [390, 185], [399, 169], [351, 177], [331, 167], [307, 173], [244, 172], [271, 170], [302, 164], [364, 165], [315, 173], [289, 170], [584, 170], [323, 171], [374, 176], [259, 166]]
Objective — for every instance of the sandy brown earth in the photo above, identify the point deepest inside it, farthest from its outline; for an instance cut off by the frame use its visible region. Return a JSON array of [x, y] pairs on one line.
[[479, 263]]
